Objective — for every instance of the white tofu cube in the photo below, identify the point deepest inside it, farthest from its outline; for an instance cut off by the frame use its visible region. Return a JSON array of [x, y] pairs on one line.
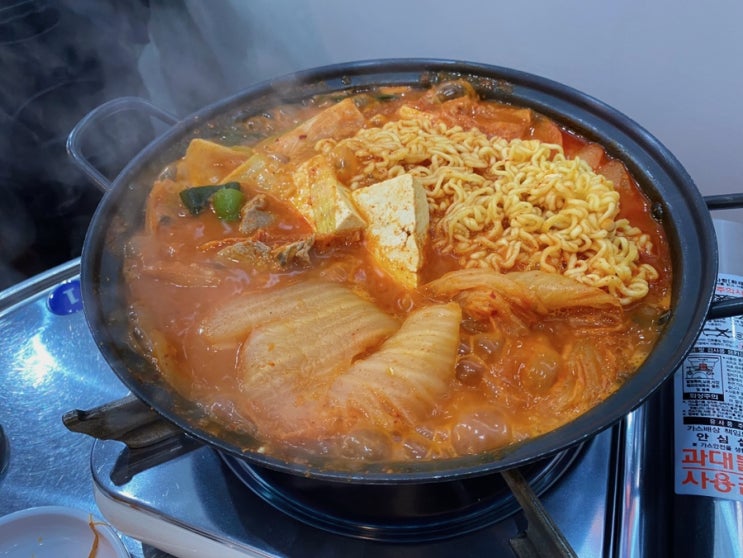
[[323, 200], [396, 212]]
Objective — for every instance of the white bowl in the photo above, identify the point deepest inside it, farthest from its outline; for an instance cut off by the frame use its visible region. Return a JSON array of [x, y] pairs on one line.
[[57, 532]]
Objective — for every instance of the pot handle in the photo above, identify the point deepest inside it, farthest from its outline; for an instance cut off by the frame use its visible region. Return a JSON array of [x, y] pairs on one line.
[[150, 439], [732, 306], [725, 308], [724, 201], [127, 420], [109, 108]]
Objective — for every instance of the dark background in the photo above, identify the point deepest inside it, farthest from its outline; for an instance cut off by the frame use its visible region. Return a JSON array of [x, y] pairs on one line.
[[59, 59]]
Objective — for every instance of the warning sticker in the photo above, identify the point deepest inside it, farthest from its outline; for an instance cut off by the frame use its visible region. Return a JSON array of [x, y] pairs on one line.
[[708, 407]]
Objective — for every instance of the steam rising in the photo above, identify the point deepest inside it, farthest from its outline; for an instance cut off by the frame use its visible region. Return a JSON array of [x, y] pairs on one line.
[[62, 58], [53, 73]]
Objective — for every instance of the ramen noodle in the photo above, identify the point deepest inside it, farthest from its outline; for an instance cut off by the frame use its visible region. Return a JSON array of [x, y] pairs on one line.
[[397, 274], [528, 206]]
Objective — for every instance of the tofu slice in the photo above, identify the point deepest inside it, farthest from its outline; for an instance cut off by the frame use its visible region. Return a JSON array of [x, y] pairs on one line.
[[323, 200], [340, 120], [396, 212], [256, 172], [207, 162]]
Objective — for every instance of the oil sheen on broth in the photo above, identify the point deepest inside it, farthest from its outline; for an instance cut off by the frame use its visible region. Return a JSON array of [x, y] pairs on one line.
[[397, 274]]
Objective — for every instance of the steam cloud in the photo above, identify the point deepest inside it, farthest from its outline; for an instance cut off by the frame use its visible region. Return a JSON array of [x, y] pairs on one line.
[[59, 60], [62, 58]]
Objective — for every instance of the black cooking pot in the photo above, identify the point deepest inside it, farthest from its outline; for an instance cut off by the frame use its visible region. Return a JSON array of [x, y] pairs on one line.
[[677, 204]]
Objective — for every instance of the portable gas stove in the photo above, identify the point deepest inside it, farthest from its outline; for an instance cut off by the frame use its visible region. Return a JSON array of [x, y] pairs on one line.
[[612, 496]]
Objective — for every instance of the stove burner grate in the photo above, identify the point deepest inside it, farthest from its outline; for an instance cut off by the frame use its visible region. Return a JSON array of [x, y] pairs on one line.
[[400, 513]]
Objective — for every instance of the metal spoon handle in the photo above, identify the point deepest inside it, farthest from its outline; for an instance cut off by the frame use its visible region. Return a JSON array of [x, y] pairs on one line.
[[542, 537]]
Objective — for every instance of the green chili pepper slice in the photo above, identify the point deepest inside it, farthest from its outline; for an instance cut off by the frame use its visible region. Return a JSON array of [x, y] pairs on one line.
[[197, 198], [226, 204]]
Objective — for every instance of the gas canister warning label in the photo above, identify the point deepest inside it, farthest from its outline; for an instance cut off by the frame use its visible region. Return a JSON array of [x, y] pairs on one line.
[[708, 407]]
